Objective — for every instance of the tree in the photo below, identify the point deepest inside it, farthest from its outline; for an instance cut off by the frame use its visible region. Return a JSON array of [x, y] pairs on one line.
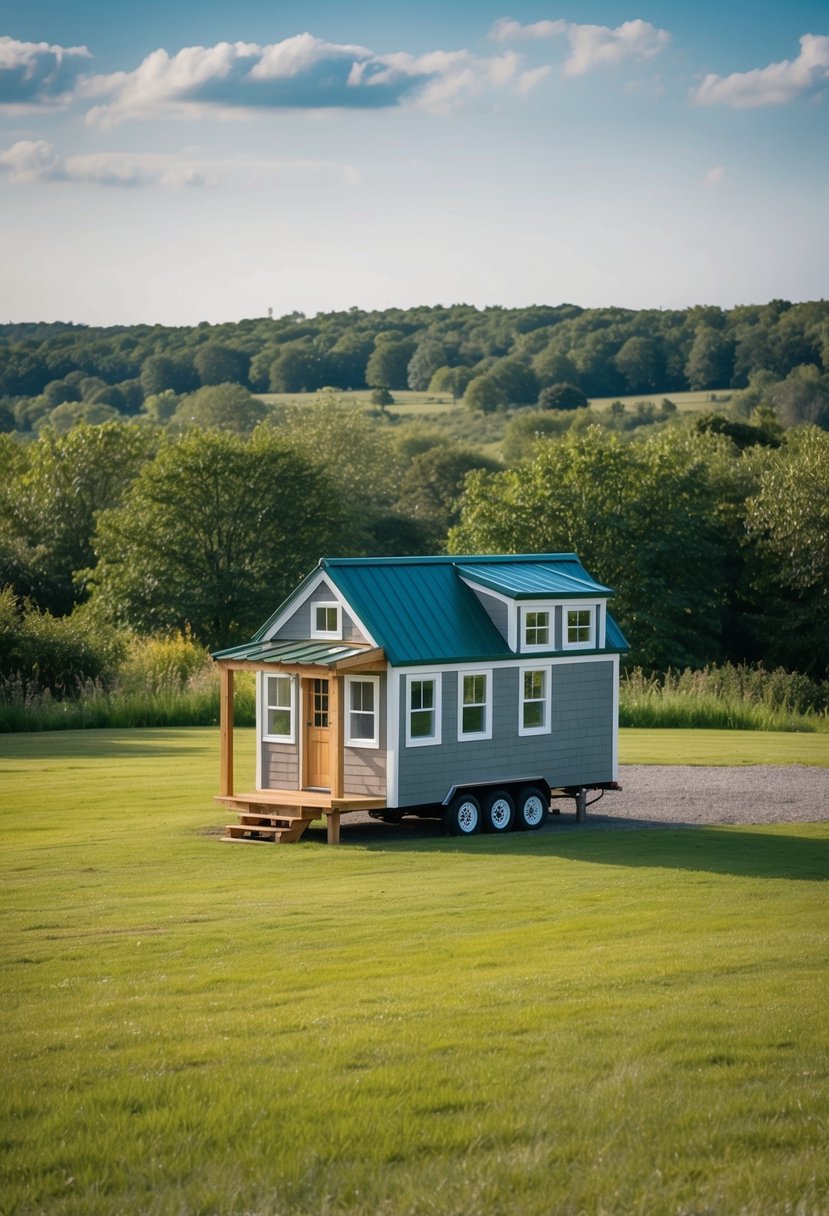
[[382, 397], [388, 365], [516, 379], [429, 356], [161, 372], [642, 515], [58, 391], [562, 397], [803, 397], [217, 364], [640, 362], [214, 533], [432, 485], [484, 394], [56, 498], [788, 520], [453, 380], [711, 360], [225, 407], [297, 368]]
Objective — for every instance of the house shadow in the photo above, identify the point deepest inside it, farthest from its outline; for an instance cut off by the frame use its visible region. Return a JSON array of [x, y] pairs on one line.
[[746, 852]]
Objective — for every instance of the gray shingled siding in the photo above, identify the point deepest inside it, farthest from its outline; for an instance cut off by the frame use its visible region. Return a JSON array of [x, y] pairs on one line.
[[298, 626], [280, 766], [496, 610], [364, 768], [578, 751]]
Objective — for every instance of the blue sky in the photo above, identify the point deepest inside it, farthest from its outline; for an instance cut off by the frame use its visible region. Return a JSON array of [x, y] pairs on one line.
[[178, 162]]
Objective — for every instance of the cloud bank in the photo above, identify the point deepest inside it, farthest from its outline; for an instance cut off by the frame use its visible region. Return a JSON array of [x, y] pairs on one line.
[[774, 85], [591, 46], [37, 161], [35, 74], [302, 72]]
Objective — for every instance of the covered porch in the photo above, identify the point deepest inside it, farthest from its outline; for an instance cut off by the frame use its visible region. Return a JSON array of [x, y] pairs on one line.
[[283, 814]]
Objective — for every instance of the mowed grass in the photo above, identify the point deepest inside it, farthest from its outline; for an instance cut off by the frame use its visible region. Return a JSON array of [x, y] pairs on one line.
[[598, 1022], [722, 747]]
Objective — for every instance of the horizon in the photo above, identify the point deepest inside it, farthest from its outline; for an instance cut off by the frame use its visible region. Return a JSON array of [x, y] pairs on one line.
[[190, 163]]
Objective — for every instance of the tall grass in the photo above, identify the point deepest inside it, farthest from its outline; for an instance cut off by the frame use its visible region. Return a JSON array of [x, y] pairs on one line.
[[727, 697], [163, 681]]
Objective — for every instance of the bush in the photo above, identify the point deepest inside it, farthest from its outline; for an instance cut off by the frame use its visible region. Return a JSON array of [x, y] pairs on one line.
[[44, 652]]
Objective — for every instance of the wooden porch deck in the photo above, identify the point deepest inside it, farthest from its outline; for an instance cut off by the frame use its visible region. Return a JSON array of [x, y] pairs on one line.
[[282, 816]]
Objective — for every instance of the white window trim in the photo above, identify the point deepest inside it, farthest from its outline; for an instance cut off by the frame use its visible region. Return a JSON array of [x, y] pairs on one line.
[[264, 676], [424, 740], [536, 647], [486, 733], [374, 742], [326, 633], [590, 644], [546, 729]]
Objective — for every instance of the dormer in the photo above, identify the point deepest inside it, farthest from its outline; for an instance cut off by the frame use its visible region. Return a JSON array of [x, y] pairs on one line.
[[541, 604]]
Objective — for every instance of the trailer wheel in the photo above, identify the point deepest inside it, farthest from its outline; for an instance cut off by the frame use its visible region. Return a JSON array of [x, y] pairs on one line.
[[531, 808], [499, 811], [464, 815]]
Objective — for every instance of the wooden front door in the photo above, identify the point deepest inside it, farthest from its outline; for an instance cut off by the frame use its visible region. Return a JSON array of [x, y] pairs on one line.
[[317, 772]]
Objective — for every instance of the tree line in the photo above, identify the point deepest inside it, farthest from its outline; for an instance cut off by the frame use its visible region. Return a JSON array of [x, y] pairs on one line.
[[716, 543], [64, 373]]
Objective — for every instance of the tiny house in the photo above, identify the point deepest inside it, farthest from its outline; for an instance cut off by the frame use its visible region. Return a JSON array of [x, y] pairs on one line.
[[470, 688]]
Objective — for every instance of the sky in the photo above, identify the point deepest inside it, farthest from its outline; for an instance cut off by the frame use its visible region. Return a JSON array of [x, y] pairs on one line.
[[175, 162]]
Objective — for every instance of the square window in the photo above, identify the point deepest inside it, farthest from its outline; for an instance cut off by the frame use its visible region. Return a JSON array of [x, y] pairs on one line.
[[537, 628], [579, 626], [326, 620]]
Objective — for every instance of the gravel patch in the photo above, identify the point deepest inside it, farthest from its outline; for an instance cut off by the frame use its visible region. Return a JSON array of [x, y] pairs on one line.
[[661, 796], [686, 795]]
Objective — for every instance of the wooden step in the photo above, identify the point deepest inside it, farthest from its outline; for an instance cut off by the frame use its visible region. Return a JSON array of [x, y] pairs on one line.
[[263, 833]]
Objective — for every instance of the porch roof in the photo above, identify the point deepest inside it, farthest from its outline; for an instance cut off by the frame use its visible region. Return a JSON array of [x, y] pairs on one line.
[[312, 654]]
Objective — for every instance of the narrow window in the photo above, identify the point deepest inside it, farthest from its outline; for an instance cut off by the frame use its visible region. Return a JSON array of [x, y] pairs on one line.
[[537, 629], [534, 712], [423, 722], [475, 714], [361, 713], [579, 626], [279, 708]]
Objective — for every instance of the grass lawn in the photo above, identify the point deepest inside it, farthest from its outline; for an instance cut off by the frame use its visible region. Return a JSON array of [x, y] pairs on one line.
[[722, 747], [597, 1022]]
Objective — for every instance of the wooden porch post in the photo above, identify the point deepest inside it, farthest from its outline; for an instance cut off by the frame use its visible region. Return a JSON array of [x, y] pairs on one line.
[[226, 729], [335, 753]]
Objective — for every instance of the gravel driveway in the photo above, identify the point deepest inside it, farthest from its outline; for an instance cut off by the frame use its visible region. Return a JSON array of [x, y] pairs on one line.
[[667, 796]]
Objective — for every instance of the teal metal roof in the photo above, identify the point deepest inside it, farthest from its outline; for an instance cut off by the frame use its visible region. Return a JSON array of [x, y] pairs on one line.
[[561, 575], [420, 610], [319, 654]]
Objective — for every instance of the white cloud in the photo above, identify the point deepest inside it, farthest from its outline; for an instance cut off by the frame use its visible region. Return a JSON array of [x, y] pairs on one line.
[[36, 74], [591, 46], [714, 177], [529, 79], [37, 161], [773, 85], [302, 72]]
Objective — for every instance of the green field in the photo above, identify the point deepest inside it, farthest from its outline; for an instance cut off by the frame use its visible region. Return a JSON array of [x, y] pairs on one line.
[[409, 404], [575, 1022]]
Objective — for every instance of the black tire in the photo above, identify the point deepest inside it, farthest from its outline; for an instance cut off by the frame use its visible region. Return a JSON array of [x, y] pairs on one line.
[[463, 818], [499, 811], [531, 808]]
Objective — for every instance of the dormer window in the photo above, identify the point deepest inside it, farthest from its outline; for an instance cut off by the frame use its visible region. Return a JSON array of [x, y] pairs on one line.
[[579, 626], [537, 628], [326, 621]]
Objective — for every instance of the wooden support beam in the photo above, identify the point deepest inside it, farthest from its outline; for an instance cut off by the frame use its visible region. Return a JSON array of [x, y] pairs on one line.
[[336, 712], [333, 818], [226, 729]]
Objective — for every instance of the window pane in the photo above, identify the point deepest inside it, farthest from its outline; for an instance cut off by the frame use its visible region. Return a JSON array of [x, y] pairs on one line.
[[279, 722], [533, 685], [533, 714], [579, 621], [474, 690], [326, 618], [362, 726], [473, 719], [422, 724], [423, 694]]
